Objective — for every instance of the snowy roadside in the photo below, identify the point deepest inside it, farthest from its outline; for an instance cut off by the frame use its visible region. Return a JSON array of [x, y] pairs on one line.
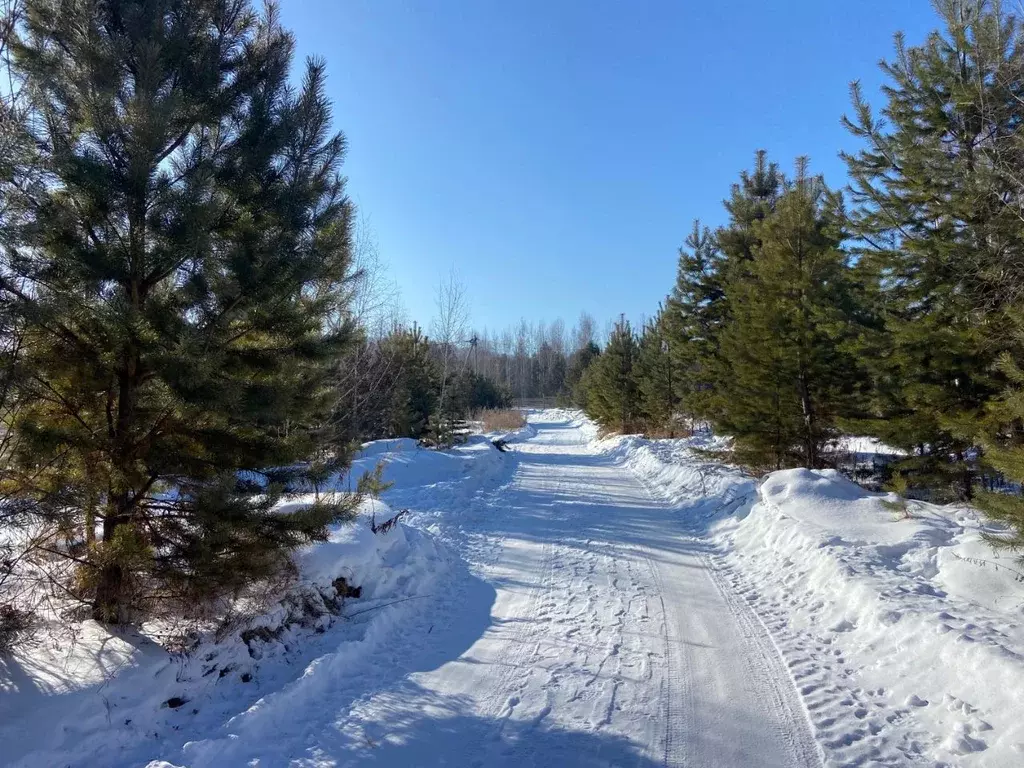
[[904, 636], [91, 696], [901, 647]]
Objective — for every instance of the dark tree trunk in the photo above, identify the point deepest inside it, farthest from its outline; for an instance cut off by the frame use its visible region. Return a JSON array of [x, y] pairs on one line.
[[966, 477], [110, 604], [810, 443]]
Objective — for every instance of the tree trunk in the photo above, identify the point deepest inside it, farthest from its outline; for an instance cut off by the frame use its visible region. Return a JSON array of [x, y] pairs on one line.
[[92, 501], [966, 477], [810, 444], [90, 526], [110, 605]]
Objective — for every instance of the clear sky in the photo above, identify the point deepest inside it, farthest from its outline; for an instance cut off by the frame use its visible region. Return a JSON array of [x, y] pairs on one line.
[[556, 152]]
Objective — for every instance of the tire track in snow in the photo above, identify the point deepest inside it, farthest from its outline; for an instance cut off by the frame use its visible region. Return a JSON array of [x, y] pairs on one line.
[[854, 726], [723, 693], [771, 671], [674, 683], [593, 659], [762, 663]]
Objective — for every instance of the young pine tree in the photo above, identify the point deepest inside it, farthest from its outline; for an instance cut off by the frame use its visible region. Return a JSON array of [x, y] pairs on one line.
[[786, 343], [692, 321], [655, 377], [751, 201], [729, 257], [175, 277], [416, 385], [941, 243], [613, 400], [574, 388], [1003, 441]]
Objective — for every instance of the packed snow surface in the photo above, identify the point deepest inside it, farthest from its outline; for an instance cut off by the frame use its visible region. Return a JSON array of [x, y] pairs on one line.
[[576, 602]]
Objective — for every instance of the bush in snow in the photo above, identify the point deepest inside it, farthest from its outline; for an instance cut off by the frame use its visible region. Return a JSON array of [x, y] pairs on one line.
[[501, 420], [15, 625]]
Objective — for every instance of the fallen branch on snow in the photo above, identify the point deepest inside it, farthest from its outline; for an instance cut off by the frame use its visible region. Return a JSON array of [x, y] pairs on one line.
[[388, 524], [385, 605]]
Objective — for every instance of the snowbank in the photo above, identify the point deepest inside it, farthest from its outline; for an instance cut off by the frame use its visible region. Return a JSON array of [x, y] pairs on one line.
[[93, 696], [106, 698], [675, 470], [918, 622], [918, 618]]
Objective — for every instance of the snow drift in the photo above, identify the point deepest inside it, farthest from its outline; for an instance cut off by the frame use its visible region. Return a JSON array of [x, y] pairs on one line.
[[902, 635], [89, 695], [917, 618]]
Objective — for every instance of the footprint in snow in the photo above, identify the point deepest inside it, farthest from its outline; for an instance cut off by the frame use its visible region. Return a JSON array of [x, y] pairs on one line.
[[963, 742]]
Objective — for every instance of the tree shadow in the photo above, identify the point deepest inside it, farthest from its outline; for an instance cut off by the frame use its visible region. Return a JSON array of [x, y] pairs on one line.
[[309, 682], [412, 725], [585, 500]]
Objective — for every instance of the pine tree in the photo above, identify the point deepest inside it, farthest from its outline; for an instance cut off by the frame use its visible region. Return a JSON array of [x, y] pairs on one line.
[[478, 392], [751, 201], [938, 236], [1001, 431], [579, 363], [175, 276], [787, 341], [417, 384], [692, 320], [654, 374], [613, 400], [729, 260], [1003, 440]]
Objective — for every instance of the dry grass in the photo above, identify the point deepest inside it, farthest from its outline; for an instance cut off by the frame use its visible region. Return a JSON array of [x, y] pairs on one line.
[[502, 420]]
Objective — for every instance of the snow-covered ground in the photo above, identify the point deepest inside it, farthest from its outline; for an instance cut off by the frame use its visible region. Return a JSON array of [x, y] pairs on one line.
[[86, 696], [576, 601], [903, 634]]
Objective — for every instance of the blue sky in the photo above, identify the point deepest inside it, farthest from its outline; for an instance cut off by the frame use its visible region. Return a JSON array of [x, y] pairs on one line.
[[555, 153]]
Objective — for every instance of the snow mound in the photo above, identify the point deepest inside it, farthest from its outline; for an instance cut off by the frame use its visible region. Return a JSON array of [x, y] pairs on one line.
[[676, 470], [97, 696], [113, 698], [903, 608], [902, 634], [826, 502]]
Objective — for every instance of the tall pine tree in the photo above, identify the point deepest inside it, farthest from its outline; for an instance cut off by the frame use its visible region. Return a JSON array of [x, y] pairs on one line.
[[692, 321], [751, 201], [654, 374], [937, 237], [787, 340], [176, 276]]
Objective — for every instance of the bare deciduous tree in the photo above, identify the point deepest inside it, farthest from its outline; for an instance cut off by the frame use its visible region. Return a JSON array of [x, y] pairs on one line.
[[556, 336], [376, 296], [449, 329], [585, 332]]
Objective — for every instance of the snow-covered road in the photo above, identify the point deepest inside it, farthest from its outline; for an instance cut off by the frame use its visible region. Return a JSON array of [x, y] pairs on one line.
[[575, 602], [611, 640]]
